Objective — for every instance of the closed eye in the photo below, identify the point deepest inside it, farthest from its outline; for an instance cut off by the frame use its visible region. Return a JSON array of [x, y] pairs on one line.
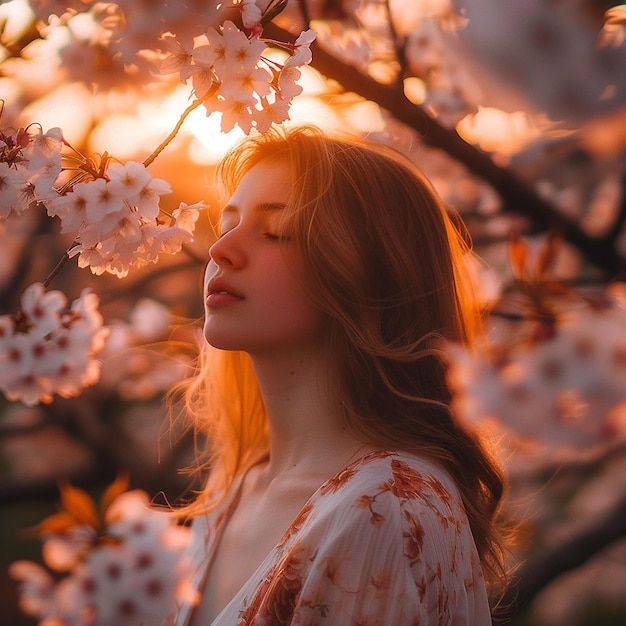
[[275, 237]]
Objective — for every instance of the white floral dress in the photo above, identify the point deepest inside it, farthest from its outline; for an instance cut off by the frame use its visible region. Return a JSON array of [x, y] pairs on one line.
[[384, 542]]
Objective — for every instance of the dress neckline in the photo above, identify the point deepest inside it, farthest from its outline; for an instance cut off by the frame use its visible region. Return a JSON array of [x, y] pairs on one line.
[[228, 507]]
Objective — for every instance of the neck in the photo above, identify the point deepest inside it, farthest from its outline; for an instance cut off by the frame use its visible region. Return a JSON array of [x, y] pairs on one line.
[[307, 433]]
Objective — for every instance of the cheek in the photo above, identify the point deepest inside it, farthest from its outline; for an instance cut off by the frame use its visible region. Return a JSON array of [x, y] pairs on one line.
[[292, 303]]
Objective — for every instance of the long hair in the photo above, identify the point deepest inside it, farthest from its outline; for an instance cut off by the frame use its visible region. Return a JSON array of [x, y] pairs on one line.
[[384, 262]]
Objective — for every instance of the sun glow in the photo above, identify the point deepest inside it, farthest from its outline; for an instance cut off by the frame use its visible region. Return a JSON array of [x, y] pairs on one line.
[[497, 131], [209, 143]]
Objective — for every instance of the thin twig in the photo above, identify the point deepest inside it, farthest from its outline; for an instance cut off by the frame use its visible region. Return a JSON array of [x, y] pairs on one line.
[[304, 11], [194, 105], [397, 45], [57, 268]]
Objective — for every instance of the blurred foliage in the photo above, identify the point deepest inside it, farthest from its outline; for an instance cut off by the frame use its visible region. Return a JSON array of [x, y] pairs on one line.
[[493, 155]]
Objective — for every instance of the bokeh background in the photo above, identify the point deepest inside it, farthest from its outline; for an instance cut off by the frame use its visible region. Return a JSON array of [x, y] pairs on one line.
[[518, 116]]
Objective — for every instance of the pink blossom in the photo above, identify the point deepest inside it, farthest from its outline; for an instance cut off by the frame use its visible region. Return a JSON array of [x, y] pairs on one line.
[[111, 218], [246, 86], [135, 580], [51, 351], [160, 238], [271, 113], [186, 215], [302, 49], [147, 199], [202, 78], [287, 82], [62, 552], [42, 309], [36, 589], [179, 59], [251, 15], [101, 200], [13, 182], [234, 112], [44, 159], [31, 172], [139, 189], [128, 179], [565, 390], [233, 50], [70, 208]]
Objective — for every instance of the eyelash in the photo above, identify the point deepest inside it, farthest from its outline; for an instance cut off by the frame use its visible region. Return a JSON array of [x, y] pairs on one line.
[[268, 236]]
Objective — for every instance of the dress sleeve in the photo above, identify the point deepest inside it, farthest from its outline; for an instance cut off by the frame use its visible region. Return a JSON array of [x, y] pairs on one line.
[[395, 552]]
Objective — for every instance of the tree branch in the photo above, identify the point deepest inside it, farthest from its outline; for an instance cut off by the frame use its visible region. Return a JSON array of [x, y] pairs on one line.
[[548, 565], [516, 196]]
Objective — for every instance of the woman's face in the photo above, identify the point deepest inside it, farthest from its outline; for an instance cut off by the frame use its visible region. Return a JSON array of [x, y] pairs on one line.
[[254, 297]]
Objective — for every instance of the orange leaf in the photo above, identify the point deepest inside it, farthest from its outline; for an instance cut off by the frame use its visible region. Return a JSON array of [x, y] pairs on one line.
[[518, 250], [548, 254], [79, 504], [57, 524], [116, 488]]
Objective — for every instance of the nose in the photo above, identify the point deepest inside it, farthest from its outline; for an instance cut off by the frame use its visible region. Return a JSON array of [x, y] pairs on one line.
[[227, 251]]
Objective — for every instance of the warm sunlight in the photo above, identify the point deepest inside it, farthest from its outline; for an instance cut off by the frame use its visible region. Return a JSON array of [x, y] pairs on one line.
[[497, 131]]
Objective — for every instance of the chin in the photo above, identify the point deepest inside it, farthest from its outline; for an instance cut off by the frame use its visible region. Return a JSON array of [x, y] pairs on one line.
[[222, 340]]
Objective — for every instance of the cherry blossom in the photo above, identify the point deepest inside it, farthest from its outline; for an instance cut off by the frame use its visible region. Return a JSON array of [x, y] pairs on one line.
[[251, 15], [30, 162], [179, 58], [229, 73], [115, 220], [37, 589], [45, 350], [13, 184], [134, 577], [568, 388]]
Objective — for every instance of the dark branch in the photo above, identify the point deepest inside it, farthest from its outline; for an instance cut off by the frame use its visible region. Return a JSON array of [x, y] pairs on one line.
[[548, 565], [516, 196]]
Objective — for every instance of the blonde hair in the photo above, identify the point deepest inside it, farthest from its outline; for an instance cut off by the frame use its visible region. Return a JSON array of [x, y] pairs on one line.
[[383, 260]]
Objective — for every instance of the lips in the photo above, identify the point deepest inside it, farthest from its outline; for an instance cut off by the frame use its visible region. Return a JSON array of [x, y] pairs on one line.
[[219, 291]]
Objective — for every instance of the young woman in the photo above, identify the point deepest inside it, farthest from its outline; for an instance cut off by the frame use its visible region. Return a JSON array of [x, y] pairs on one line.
[[341, 490]]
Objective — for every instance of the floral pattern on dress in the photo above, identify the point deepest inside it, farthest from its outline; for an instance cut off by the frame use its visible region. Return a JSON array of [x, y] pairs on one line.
[[384, 542]]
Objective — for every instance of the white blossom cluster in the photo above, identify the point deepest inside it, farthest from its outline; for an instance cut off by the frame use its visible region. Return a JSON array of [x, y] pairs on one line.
[[30, 162], [227, 69], [134, 578], [46, 349], [111, 209], [249, 90], [115, 219], [569, 388]]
